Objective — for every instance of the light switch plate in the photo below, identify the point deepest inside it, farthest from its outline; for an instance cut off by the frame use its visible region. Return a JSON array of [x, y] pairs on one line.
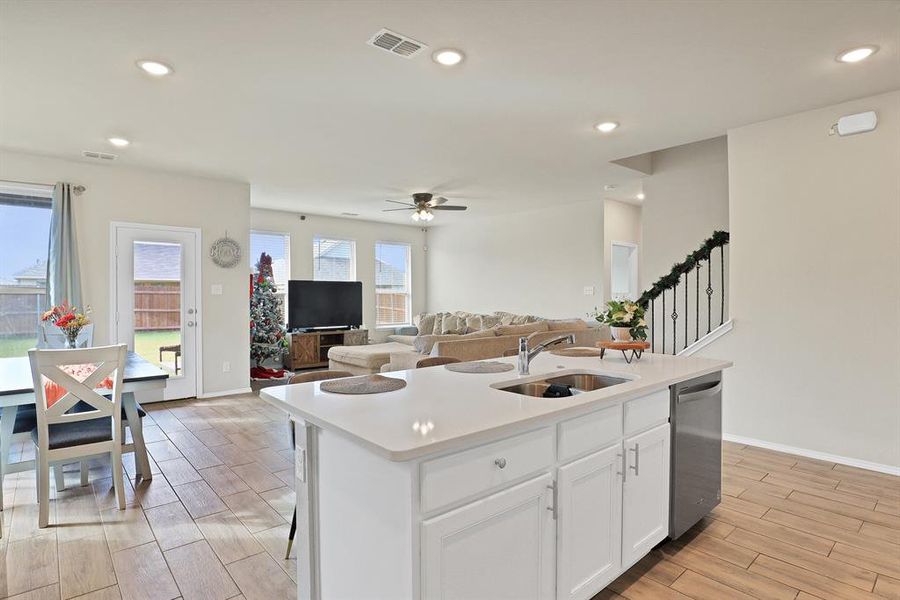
[[215, 289], [588, 290]]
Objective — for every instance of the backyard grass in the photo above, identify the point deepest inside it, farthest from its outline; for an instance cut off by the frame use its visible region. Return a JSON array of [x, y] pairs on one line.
[[146, 343]]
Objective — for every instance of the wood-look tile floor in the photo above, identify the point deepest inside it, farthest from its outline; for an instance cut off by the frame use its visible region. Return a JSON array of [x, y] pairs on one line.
[[213, 523], [788, 528]]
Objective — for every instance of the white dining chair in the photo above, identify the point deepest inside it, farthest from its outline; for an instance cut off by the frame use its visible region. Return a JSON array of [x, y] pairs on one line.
[[62, 434], [50, 336]]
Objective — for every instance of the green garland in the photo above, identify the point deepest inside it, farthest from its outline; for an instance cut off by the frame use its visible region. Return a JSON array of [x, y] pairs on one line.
[[667, 282]]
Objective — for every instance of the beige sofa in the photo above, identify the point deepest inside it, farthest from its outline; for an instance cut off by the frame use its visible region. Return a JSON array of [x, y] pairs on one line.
[[498, 334]]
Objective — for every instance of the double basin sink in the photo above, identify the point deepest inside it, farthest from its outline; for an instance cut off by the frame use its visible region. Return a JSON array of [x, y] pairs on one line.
[[576, 383]]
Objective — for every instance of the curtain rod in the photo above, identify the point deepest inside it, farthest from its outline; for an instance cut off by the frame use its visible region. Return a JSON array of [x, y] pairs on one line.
[[78, 189]]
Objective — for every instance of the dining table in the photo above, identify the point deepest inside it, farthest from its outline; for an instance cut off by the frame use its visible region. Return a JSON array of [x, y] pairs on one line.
[[17, 390]]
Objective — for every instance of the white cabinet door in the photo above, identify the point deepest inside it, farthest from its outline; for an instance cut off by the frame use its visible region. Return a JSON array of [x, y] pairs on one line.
[[500, 547], [645, 504], [590, 524]]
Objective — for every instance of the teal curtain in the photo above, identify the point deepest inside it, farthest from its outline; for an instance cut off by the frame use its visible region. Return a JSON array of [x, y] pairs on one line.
[[63, 269]]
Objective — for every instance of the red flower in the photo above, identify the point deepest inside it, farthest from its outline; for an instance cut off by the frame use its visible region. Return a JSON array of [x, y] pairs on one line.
[[65, 320]]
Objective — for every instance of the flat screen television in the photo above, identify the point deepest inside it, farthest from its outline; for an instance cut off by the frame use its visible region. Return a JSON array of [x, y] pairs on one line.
[[320, 304]]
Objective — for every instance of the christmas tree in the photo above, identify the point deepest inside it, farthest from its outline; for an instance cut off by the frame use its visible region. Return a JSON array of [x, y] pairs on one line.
[[268, 338]]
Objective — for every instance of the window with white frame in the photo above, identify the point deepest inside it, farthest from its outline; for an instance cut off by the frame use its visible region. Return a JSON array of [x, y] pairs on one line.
[[24, 236], [278, 246], [393, 296], [334, 260]]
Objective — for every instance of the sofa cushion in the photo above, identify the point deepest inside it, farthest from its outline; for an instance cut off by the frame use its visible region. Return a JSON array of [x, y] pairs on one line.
[[371, 356], [567, 324], [453, 324], [424, 344], [402, 339], [524, 329]]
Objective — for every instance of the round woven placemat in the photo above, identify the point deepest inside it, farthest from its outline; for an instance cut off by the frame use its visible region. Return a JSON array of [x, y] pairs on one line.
[[491, 366], [576, 352], [365, 384]]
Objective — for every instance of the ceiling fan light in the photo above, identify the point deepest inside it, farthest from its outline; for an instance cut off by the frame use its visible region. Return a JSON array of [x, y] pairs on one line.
[[415, 216]]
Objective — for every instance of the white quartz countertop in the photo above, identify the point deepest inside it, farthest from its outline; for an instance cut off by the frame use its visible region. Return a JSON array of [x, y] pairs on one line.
[[440, 410]]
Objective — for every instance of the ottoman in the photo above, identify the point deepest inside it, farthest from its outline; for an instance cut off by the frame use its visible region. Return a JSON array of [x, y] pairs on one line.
[[362, 360]]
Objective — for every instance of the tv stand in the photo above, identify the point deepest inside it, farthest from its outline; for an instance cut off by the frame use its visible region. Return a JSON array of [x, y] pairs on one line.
[[309, 349]]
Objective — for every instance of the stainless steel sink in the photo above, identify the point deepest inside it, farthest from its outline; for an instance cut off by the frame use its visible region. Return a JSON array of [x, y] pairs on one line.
[[577, 382], [587, 382]]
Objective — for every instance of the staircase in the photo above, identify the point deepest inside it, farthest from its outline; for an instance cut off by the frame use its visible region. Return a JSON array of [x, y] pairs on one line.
[[686, 309]]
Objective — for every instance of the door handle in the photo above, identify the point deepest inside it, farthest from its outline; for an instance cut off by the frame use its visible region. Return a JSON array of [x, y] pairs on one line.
[[190, 323], [190, 311], [637, 459], [701, 394]]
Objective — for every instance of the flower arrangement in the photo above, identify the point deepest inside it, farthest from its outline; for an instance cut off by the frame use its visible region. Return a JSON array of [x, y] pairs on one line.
[[625, 319], [69, 321]]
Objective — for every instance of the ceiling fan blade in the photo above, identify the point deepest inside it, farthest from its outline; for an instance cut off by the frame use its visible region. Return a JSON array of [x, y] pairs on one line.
[[449, 207], [403, 203], [394, 209], [437, 201]]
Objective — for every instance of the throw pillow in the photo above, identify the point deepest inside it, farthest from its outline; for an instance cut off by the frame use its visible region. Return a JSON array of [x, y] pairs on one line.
[[474, 323], [453, 324], [524, 329], [438, 323], [488, 321], [424, 322], [567, 325]]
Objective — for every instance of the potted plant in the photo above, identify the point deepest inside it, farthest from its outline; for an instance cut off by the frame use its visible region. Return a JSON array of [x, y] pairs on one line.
[[625, 319], [69, 321]]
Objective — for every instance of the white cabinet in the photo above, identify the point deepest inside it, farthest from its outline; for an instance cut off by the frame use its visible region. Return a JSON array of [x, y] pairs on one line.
[[589, 525], [645, 504], [500, 547]]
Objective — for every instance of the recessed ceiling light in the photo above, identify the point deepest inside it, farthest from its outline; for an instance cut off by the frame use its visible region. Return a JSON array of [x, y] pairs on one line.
[[118, 142], [448, 57], [606, 126], [155, 68], [857, 54], [640, 196]]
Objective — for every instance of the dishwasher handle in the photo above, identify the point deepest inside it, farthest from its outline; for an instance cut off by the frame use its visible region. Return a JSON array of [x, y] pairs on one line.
[[699, 393]]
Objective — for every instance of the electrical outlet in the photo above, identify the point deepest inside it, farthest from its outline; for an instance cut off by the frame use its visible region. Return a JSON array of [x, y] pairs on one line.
[[226, 367], [588, 290]]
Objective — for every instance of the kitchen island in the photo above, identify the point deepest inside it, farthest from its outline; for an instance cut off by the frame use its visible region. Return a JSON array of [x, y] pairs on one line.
[[455, 487]]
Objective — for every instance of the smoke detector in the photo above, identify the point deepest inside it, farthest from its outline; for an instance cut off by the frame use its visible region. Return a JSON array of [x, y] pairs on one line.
[[99, 155], [396, 43]]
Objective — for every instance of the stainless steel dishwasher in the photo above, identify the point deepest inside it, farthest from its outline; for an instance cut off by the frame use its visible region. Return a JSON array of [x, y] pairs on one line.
[[696, 454]]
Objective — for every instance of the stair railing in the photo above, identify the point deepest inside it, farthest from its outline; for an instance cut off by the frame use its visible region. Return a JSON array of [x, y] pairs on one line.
[[667, 285]]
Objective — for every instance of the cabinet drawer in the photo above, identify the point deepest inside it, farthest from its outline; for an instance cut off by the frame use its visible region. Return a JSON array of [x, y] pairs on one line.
[[589, 432], [457, 476], [647, 411]]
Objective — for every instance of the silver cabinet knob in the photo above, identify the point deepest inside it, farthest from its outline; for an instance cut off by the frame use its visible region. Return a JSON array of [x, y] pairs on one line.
[[500, 462]]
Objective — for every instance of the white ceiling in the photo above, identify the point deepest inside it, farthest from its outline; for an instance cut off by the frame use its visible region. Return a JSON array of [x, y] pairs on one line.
[[287, 95]]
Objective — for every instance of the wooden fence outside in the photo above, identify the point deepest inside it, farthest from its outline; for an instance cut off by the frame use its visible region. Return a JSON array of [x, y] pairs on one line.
[[20, 309], [392, 309]]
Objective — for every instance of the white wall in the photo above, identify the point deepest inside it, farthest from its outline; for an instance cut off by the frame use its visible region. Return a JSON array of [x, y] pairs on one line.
[[815, 284], [119, 193], [686, 199], [365, 233], [535, 262], [621, 223]]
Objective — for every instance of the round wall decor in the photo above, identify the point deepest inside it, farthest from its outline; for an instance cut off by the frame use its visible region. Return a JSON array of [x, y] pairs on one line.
[[225, 252]]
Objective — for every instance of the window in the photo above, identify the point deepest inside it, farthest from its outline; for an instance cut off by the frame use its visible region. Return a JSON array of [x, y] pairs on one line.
[[24, 237], [278, 246], [393, 299], [334, 260]]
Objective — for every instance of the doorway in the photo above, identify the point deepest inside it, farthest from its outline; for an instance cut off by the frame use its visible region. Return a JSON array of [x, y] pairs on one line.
[[155, 283], [623, 271]]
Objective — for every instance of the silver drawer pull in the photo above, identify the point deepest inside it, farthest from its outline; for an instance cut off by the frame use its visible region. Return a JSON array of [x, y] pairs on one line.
[[624, 470], [637, 458], [500, 462]]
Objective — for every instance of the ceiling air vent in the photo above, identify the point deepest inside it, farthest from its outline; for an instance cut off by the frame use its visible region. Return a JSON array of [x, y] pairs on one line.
[[99, 155], [393, 42]]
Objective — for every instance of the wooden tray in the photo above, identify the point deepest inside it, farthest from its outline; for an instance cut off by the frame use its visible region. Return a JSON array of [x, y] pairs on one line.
[[636, 347]]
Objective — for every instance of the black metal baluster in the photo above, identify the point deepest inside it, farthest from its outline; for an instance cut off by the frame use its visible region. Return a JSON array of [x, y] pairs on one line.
[[722, 255], [709, 293], [675, 319], [652, 327], [685, 309], [697, 306]]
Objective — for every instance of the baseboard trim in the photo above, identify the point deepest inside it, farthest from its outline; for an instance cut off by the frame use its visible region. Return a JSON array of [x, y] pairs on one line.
[[245, 390], [843, 460], [709, 338]]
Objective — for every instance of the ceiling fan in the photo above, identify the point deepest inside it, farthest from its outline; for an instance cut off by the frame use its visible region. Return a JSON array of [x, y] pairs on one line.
[[423, 204]]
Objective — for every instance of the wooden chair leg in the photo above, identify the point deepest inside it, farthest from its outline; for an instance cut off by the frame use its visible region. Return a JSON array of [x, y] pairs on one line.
[[43, 482], [118, 479]]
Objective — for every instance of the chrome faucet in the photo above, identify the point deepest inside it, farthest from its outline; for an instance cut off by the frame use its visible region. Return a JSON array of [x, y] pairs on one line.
[[526, 354]]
